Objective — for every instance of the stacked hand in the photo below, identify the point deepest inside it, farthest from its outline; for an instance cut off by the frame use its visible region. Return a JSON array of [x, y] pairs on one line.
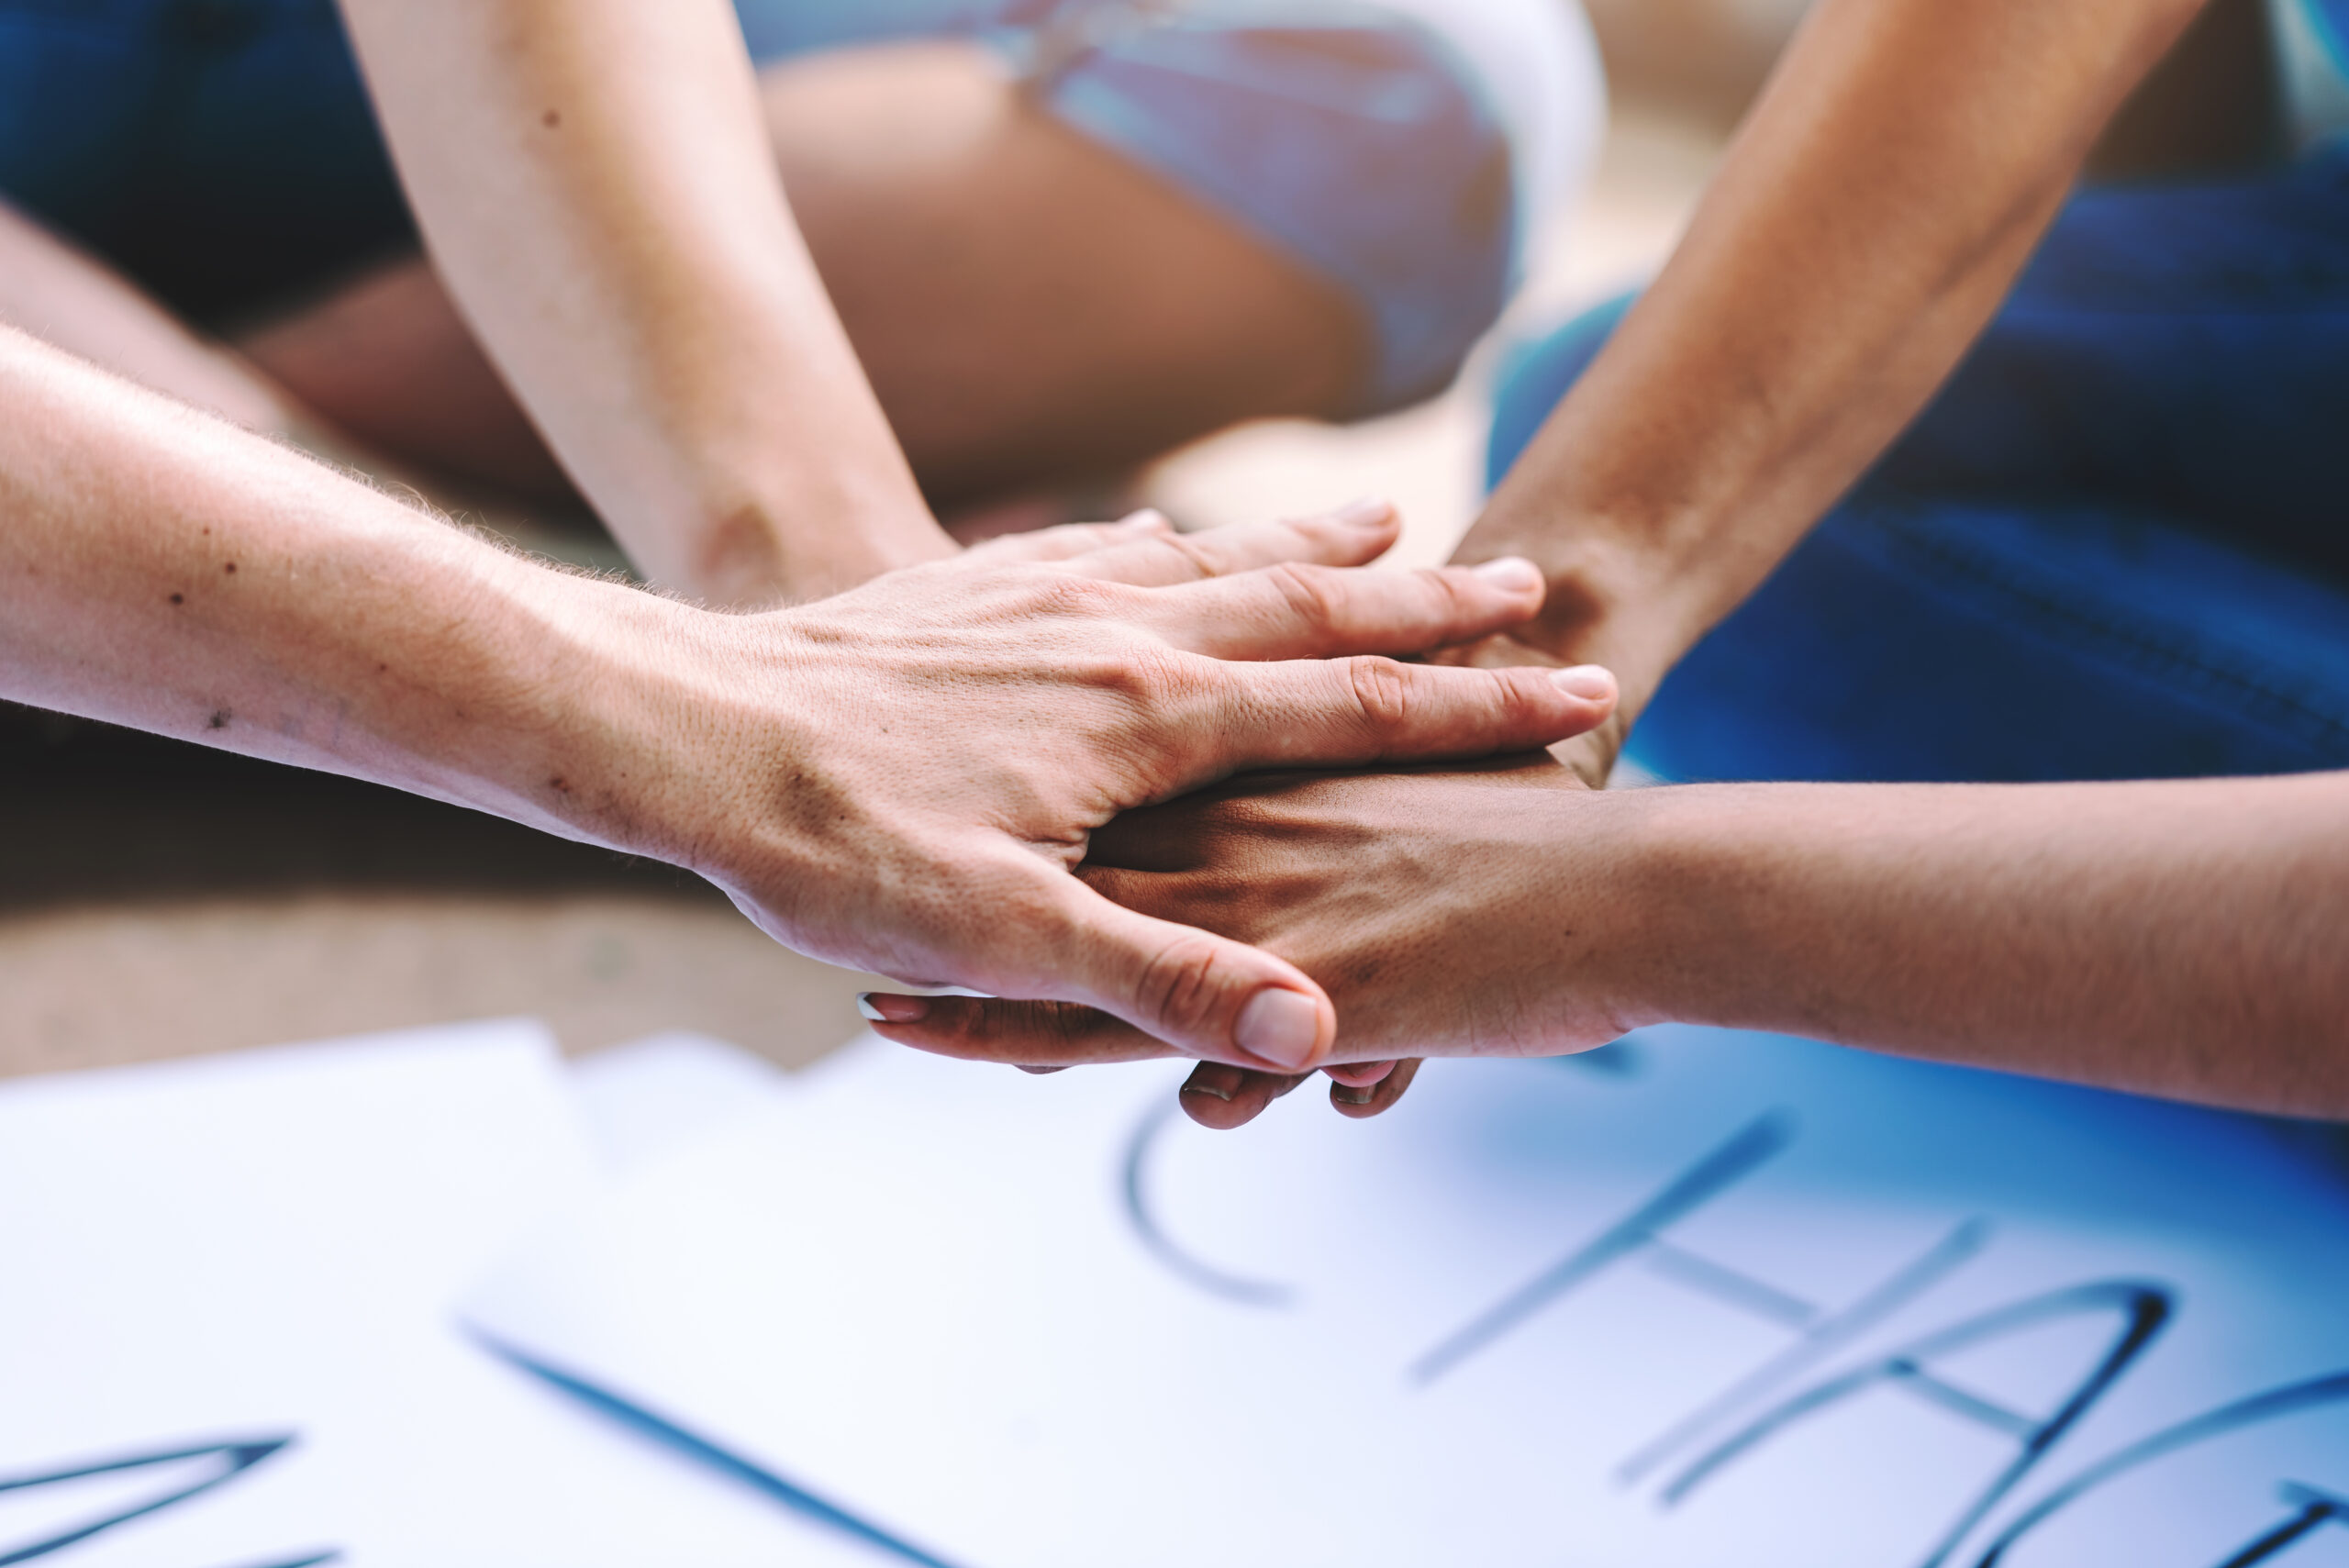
[[1352, 879], [925, 761]]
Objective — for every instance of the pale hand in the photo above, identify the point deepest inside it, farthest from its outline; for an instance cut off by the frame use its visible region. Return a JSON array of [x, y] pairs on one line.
[[919, 764]]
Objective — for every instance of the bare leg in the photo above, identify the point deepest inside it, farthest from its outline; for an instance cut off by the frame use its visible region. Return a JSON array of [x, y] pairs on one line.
[[74, 301], [1032, 309]]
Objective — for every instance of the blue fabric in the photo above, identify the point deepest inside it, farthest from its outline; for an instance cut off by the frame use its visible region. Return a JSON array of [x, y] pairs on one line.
[[2332, 20], [223, 152], [1351, 140], [2114, 547]]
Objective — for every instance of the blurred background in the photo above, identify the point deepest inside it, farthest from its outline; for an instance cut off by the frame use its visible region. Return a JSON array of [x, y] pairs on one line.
[[157, 899]]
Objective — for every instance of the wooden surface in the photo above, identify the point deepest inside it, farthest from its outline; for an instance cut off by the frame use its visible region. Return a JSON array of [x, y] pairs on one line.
[[157, 900], [108, 984]]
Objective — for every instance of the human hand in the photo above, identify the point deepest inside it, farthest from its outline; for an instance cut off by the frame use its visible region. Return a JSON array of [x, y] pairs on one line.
[[1223, 1097], [908, 771], [1581, 622], [1423, 901]]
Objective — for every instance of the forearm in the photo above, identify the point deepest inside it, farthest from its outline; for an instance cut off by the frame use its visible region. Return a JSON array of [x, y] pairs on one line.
[[64, 297], [595, 184], [2188, 939], [163, 570], [1866, 223]]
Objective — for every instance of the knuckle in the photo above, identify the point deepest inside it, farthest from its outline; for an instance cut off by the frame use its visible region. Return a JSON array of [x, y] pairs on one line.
[[1062, 543], [1314, 596], [1523, 692], [1057, 590], [1038, 1034], [1072, 1027], [1383, 692], [1156, 679], [1170, 710], [1195, 554], [1178, 987], [1450, 593]]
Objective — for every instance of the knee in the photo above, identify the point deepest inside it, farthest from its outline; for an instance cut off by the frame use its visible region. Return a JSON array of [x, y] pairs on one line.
[[1409, 156]]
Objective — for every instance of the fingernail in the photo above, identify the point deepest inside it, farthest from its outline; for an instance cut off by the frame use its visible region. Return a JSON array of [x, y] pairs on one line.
[[1280, 1027], [880, 1010], [1351, 1096], [1588, 682], [1216, 1082], [1370, 512], [1148, 517], [1511, 571]]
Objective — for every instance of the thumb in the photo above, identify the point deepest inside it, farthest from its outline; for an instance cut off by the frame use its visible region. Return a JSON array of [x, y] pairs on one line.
[[1205, 995]]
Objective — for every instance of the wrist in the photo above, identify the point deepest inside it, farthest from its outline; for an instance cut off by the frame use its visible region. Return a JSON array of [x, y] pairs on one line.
[[1624, 850], [1704, 918], [579, 703], [1613, 597], [662, 723]]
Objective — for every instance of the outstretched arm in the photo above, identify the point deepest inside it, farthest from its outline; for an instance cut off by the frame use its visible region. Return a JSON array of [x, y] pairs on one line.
[[1871, 214], [594, 184], [899, 778], [2182, 938]]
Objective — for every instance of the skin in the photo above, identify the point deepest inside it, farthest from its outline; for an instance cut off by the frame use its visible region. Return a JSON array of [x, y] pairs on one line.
[[598, 185], [1867, 221], [1092, 318], [691, 373], [899, 777], [2182, 938], [2176, 938], [661, 320], [67, 298]]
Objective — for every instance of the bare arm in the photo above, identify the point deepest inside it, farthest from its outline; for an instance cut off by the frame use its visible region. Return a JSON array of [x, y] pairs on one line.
[[593, 181], [2188, 939], [2181, 939], [1872, 214], [897, 778], [165, 571]]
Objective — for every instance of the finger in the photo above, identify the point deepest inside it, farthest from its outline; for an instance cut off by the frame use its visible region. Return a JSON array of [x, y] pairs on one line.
[[1070, 540], [1204, 994], [1359, 1074], [1304, 610], [1350, 536], [1223, 1098], [1361, 1104], [1353, 712], [1038, 1037]]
